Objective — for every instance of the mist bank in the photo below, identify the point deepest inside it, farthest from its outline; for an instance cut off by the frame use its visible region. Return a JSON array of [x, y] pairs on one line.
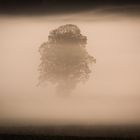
[[110, 96]]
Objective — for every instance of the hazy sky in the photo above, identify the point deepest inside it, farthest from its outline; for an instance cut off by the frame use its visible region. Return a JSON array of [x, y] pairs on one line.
[[111, 95]]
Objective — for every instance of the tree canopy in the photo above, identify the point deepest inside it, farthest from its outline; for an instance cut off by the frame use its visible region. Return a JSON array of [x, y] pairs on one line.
[[64, 58]]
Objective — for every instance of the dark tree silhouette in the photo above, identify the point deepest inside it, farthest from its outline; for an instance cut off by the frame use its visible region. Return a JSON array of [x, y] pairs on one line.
[[64, 59]]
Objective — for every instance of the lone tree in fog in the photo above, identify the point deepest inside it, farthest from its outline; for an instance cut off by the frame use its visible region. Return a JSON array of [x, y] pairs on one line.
[[64, 59]]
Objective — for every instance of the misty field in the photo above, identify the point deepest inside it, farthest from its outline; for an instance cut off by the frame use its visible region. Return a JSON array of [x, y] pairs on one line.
[[110, 96]]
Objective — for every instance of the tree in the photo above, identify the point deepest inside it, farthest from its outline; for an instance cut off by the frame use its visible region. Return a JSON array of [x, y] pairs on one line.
[[64, 59]]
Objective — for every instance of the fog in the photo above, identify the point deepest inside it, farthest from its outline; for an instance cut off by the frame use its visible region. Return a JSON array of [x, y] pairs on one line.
[[110, 96]]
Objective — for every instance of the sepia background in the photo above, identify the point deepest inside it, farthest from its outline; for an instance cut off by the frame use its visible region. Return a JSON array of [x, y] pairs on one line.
[[110, 96]]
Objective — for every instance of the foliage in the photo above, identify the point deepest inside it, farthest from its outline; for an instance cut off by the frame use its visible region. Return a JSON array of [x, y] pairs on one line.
[[64, 59]]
